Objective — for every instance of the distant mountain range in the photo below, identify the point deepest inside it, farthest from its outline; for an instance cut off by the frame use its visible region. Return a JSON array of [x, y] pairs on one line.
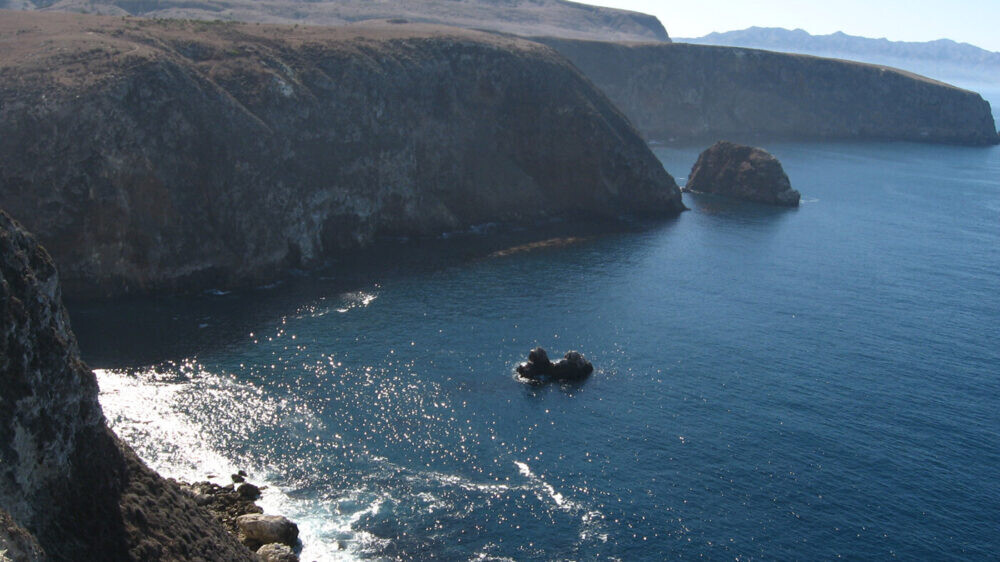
[[944, 59]]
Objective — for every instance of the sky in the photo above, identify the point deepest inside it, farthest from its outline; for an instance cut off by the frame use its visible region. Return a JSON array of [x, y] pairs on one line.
[[968, 21]]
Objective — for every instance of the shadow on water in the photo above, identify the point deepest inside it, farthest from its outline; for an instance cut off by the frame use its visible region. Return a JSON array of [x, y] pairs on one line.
[[134, 332]]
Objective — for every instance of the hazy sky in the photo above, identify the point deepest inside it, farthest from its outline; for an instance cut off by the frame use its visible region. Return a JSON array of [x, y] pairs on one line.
[[970, 21]]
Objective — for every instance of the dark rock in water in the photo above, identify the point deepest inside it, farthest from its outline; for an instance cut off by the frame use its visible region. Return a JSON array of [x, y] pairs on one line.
[[742, 172], [277, 552], [259, 530], [572, 366], [65, 478], [538, 364], [238, 478]]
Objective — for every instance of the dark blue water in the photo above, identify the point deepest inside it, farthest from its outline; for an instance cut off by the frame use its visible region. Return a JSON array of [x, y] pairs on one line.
[[808, 384]]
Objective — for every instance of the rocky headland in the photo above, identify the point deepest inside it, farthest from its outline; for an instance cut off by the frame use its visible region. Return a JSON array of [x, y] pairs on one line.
[[68, 485], [742, 172], [155, 156], [695, 92]]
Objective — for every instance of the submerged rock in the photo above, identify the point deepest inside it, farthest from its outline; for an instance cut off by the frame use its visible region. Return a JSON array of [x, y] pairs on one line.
[[742, 172], [259, 530], [572, 366]]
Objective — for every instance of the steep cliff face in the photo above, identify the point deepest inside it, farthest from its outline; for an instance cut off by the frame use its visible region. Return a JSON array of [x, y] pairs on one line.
[[556, 18], [680, 91], [64, 476], [177, 155]]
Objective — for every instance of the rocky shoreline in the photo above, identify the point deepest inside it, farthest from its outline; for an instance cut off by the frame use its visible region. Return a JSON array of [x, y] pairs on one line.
[[273, 537]]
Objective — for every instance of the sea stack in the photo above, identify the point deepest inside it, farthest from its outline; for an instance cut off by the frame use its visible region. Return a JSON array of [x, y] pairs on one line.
[[742, 172]]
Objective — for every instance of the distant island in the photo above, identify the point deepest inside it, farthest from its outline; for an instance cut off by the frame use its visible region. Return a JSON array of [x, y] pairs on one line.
[[942, 59]]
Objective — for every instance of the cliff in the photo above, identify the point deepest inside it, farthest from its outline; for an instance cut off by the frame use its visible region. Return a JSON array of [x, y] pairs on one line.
[[165, 155], [679, 91], [64, 476], [556, 18]]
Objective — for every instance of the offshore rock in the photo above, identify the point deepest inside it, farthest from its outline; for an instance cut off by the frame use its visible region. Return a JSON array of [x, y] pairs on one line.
[[572, 366], [742, 172], [162, 155], [259, 530], [65, 478], [698, 92]]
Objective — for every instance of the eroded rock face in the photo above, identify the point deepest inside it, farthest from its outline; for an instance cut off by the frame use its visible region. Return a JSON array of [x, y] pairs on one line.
[[163, 155], [697, 92], [742, 172], [64, 476]]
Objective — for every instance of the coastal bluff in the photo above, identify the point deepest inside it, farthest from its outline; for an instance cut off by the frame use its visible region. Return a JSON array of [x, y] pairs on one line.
[[162, 155], [69, 488], [682, 92]]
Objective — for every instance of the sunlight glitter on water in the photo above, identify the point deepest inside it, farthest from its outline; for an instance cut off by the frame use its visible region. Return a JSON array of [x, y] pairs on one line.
[[179, 421]]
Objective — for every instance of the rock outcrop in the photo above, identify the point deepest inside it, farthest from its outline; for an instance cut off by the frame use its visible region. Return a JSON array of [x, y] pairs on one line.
[[742, 172], [696, 92], [557, 18], [171, 155], [64, 476]]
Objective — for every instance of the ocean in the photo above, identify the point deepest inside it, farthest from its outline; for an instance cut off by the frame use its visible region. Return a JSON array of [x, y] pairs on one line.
[[811, 383]]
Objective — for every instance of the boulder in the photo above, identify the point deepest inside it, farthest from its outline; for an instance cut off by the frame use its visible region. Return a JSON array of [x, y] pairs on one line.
[[742, 172], [248, 491], [277, 552], [259, 530]]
